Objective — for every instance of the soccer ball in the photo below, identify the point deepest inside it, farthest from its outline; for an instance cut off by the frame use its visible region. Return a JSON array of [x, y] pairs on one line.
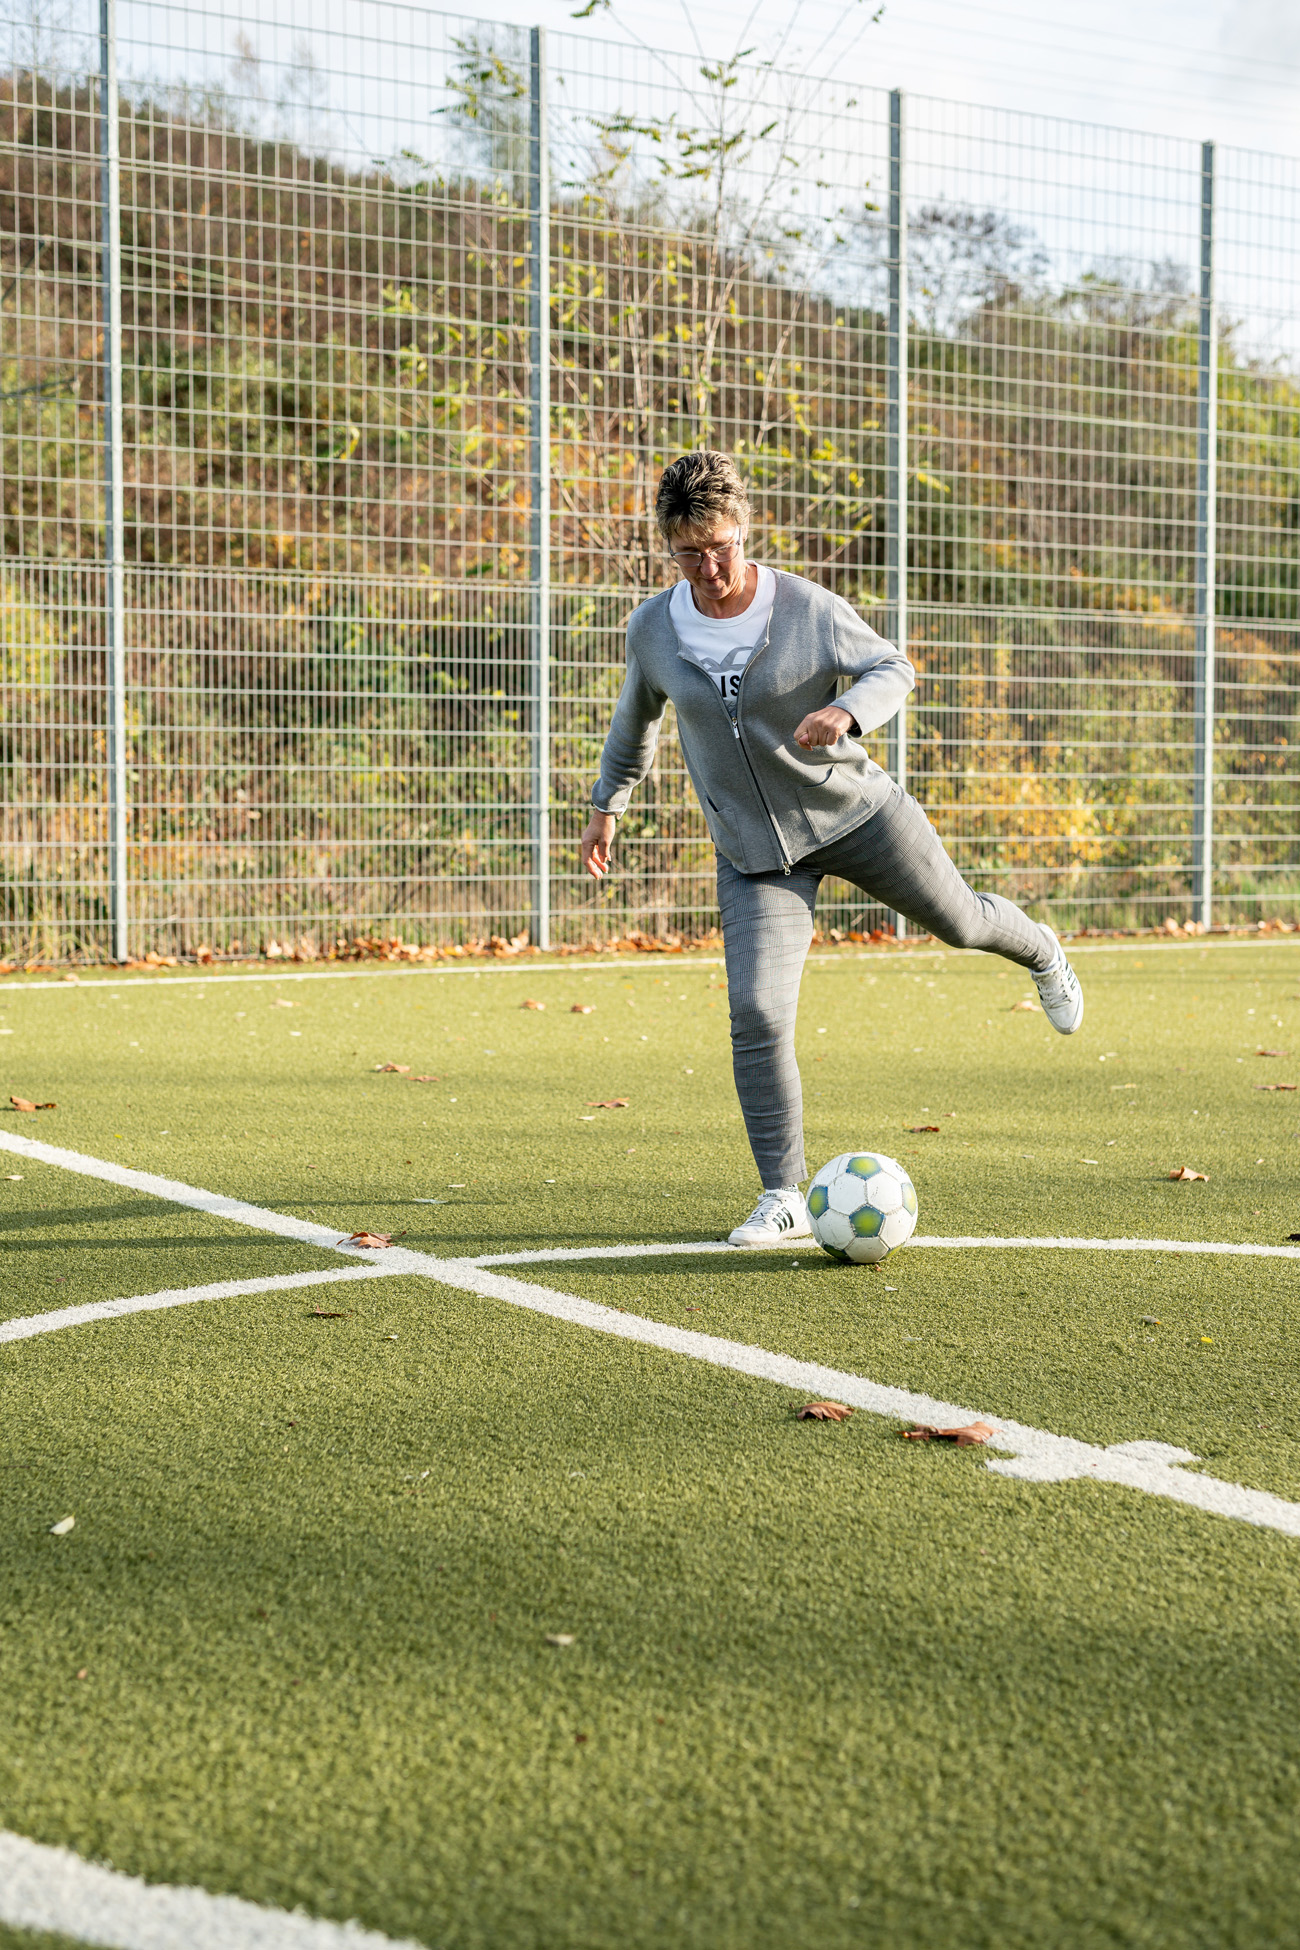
[[862, 1207]]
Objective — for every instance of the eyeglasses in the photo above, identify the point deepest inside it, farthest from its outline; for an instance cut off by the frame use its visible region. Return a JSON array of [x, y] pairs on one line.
[[722, 557]]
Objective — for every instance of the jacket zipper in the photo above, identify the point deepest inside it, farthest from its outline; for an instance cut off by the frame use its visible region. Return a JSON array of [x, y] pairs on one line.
[[786, 863]]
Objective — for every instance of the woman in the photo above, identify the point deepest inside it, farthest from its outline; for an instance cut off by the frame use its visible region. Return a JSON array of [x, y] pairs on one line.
[[752, 660]]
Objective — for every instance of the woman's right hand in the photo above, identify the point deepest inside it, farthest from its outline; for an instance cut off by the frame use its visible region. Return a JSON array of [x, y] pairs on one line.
[[596, 842]]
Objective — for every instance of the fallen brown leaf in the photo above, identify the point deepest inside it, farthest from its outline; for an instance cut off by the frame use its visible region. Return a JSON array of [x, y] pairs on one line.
[[1272, 1052], [823, 1412], [1185, 1174], [965, 1438], [424, 1079], [608, 1103], [916, 1129], [1277, 1086], [375, 1239], [396, 1069], [530, 1004], [583, 1009], [1024, 1004], [25, 1103]]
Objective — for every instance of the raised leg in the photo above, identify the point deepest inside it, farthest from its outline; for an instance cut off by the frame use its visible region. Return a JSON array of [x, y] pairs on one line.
[[898, 859]]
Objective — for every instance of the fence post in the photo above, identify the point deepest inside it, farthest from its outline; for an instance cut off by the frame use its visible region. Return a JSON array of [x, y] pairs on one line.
[[539, 540], [896, 432], [1207, 429], [114, 538]]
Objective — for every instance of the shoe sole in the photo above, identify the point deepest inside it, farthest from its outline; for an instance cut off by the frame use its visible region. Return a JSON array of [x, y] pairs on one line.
[[1067, 1029]]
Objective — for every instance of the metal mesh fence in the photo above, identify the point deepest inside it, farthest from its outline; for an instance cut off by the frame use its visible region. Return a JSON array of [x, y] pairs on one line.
[[414, 308]]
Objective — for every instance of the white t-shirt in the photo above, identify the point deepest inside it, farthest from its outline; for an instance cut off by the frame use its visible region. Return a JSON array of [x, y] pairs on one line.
[[723, 645]]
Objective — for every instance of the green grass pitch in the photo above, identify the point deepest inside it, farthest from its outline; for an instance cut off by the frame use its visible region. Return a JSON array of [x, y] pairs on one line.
[[825, 1687]]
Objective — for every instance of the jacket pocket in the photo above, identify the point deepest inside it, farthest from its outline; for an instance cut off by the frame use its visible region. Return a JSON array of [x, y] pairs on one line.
[[726, 833]]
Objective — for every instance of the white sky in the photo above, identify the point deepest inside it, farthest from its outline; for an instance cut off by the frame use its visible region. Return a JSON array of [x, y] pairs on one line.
[[1226, 69]]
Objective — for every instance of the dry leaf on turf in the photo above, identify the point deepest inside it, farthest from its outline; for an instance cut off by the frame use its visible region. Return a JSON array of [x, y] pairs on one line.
[[1272, 1052], [530, 1004], [1185, 1174], [62, 1527], [824, 1412], [559, 1638], [396, 1069], [425, 1079], [1024, 1004], [375, 1239], [916, 1129], [608, 1103], [1277, 1086], [583, 1009], [24, 1103], [319, 1313], [965, 1438]]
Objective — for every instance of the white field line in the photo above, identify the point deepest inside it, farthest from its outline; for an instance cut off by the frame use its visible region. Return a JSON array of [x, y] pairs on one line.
[[1034, 1455], [577, 966], [136, 979], [43, 1888], [26, 1326], [806, 1245]]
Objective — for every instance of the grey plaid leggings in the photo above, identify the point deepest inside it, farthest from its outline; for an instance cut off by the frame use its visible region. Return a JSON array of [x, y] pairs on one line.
[[897, 859]]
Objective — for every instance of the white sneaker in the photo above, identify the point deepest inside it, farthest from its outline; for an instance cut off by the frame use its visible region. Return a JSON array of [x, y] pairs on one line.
[[1059, 991], [778, 1216]]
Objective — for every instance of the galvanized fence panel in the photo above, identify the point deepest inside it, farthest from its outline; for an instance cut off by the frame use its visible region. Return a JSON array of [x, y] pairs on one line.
[[415, 307]]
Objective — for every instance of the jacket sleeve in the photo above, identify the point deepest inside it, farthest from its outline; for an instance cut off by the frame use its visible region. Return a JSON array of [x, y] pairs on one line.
[[630, 742], [882, 675]]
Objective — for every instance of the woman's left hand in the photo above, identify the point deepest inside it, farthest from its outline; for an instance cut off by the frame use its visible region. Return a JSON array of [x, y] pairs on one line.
[[825, 727]]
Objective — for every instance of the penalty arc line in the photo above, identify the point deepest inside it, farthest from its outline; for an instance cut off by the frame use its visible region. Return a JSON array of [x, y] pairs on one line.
[[661, 1251], [1033, 1455], [26, 1326]]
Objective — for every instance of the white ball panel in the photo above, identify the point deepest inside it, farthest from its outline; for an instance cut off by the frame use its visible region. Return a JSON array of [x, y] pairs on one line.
[[897, 1229], [886, 1193], [846, 1195], [868, 1252], [833, 1229]]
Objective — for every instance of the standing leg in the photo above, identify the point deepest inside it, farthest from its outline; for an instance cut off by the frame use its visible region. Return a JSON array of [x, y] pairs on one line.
[[897, 857], [767, 930]]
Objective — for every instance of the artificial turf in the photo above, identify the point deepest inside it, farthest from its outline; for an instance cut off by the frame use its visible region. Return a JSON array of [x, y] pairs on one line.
[[831, 1688]]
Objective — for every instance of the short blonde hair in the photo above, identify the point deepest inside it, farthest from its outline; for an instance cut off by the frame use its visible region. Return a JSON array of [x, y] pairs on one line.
[[698, 490]]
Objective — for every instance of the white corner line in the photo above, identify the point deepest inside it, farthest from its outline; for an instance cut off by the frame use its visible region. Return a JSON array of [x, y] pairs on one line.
[[1035, 1455], [26, 1326], [51, 1889]]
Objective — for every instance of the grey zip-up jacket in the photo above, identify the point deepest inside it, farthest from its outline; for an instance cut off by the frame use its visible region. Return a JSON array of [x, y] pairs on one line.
[[767, 801]]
